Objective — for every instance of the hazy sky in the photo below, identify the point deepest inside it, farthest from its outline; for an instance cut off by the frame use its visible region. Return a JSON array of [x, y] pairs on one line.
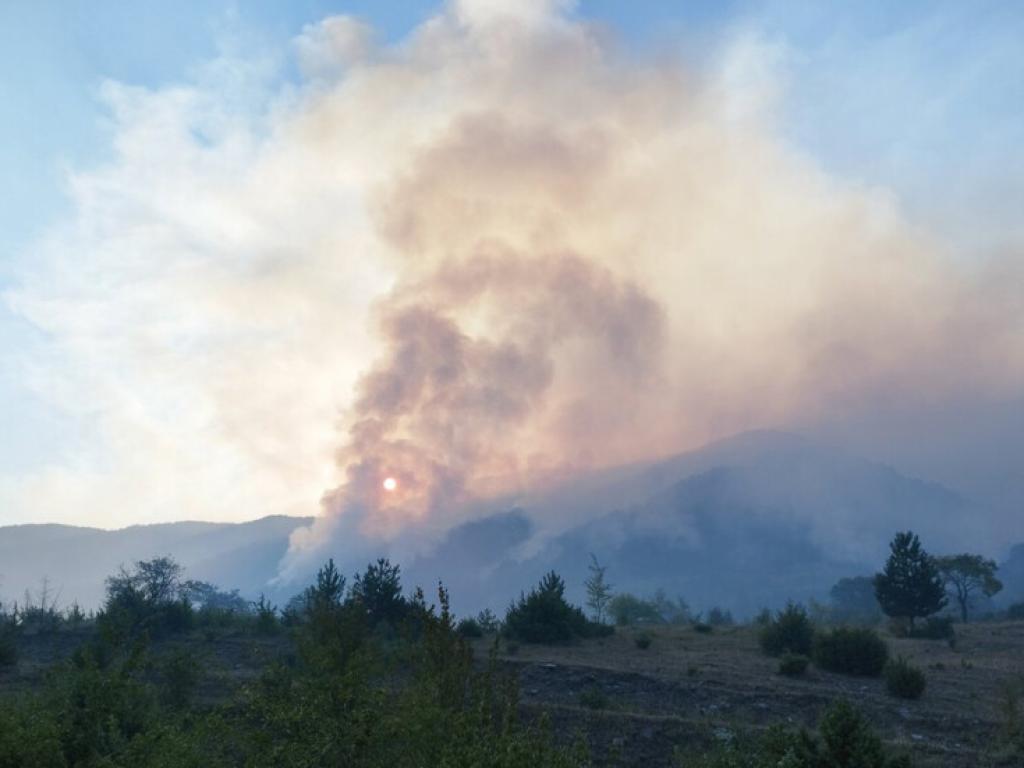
[[181, 339]]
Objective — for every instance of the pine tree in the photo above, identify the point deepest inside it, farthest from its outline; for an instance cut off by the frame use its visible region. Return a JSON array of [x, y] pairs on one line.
[[910, 586], [599, 591]]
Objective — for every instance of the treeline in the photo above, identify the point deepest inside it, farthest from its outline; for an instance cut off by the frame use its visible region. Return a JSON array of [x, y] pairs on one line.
[[366, 675]]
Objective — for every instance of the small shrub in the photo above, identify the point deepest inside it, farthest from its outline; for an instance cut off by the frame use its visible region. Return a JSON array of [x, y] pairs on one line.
[[703, 627], [593, 697], [793, 664], [512, 648], [1015, 612], [851, 651], [643, 641], [692, 670], [469, 628], [791, 631], [935, 628], [266, 616], [904, 680]]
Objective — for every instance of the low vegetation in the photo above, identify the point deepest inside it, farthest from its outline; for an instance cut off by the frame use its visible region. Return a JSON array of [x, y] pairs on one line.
[[789, 631], [903, 679], [851, 651], [361, 672], [544, 616]]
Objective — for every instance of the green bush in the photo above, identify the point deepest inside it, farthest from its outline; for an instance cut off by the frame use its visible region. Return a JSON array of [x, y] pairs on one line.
[[1015, 612], [793, 664], [470, 628], [702, 627], [844, 740], [544, 616], [643, 641], [904, 680], [790, 631], [935, 628], [851, 651]]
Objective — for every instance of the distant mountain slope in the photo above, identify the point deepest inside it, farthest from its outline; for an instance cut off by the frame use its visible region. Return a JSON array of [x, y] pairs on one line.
[[742, 523], [77, 560]]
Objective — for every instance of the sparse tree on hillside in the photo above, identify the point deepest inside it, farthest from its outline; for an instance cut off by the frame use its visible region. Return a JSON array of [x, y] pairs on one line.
[[599, 591], [910, 586], [966, 575]]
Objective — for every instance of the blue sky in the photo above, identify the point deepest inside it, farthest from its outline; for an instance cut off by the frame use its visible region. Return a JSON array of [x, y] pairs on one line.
[[924, 100]]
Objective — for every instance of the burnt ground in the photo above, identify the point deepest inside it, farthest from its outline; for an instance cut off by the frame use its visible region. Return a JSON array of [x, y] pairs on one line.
[[686, 691]]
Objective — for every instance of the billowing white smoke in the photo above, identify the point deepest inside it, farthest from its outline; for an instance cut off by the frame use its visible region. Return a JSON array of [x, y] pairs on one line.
[[503, 252]]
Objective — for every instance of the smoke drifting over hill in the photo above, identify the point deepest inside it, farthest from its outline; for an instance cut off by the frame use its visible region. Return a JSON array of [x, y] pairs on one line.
[[505, 251]]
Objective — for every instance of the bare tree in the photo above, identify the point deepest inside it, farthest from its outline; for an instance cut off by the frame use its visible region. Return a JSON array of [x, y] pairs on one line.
[[599, 591]]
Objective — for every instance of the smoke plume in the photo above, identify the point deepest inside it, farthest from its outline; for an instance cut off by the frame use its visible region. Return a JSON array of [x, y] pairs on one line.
[[479, 261]]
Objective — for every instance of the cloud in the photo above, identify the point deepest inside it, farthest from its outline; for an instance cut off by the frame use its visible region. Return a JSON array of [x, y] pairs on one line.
[[485, 258]]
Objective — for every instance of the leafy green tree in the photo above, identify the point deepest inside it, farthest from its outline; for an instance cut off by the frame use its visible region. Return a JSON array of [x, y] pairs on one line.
[[910, 586], [967, 575], [599, 591]]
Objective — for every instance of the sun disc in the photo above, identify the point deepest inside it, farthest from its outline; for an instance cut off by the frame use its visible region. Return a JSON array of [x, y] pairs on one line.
[[390, 484]]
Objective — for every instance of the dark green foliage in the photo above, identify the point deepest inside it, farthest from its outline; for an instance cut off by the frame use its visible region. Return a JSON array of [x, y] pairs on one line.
[[469, 628], [148, 599], [851, 651], [904, 680], [180, 673], [790, 631], [844, 740], [266, 616], [643, 641], [628, 610], [910, 586], [379, 593], [544, 616], [935, 628], [853, 601], [488, 621], [8, 648], [113, 706], [702, 627], [793, 664], [1015, 612]]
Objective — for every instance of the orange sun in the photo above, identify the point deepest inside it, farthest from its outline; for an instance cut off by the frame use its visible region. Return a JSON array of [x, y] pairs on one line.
[[390, 484]]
